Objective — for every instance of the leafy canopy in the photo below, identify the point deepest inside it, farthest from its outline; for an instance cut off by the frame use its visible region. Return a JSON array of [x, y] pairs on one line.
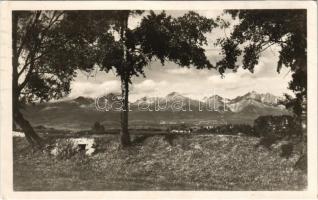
[[158, 37], [51, 46], [257, 31]]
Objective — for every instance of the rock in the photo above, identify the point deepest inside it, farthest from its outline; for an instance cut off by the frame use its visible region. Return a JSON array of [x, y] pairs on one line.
[[198, 147], [75, 144], [54, 151], [240, 134]]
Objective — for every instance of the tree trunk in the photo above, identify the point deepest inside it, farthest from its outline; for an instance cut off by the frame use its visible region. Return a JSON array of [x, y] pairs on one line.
[[304, 125], [124, 134], [18, 118], [29, 132], [302, 161]]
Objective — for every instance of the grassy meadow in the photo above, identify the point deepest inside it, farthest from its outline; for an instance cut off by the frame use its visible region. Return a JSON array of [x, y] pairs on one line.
[[183, 162]]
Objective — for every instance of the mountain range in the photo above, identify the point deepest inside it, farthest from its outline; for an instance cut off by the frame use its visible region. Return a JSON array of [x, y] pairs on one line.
[[251, 101], [82, 112]]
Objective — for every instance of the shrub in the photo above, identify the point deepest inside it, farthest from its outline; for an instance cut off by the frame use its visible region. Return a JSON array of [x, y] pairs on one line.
[[98, 128], [67, 148], [287, 150], [302, 163], [279, 126], [169, 138], [244, 128], [232, 129], [268, 141], [81, 160], [276, 128], [64, 150]]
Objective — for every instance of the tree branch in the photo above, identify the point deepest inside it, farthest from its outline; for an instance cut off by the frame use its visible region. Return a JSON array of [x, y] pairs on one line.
[[29, 60], [36, 18], [269, 45], [27, 78]]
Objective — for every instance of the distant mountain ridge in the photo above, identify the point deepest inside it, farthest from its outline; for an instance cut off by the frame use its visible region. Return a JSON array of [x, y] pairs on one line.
[[238, 104], [266, 98], [82, 112], [247, 102]]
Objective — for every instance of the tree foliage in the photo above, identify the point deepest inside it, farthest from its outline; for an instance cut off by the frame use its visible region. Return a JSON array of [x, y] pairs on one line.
[[48, 49], [257, 31], [158, 37], [48, 55]]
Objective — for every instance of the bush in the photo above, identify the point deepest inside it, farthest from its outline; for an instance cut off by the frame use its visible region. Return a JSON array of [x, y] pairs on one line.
[[98, 128], [232, 129], [302, 163], [81, 161], [279, 126], [244, 128], [64, 150], [268, 141], [68, 148], [287, 150]]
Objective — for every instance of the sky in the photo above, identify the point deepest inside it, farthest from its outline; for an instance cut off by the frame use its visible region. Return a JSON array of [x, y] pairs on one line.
[[162, 80]]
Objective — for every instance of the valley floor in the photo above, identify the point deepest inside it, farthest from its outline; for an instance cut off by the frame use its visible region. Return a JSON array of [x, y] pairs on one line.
[[205, 162]]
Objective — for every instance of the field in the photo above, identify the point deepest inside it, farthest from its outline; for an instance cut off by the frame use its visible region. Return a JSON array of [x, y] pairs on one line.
[[183, 162]]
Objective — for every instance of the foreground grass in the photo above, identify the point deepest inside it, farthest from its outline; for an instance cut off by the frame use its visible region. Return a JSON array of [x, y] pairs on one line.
[[159, 163]]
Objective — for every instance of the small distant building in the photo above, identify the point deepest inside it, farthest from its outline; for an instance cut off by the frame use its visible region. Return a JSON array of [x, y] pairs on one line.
[[180, 129]]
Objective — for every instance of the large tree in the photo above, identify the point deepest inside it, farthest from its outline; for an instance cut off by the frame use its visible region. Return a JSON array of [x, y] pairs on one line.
[[48, 47], [158, 37], [258, 30]]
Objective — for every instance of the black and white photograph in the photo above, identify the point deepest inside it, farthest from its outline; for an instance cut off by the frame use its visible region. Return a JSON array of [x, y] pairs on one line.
[[157, 99]]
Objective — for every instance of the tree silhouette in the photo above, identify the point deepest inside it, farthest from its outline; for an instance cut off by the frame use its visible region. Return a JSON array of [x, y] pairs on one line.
[[158, 37], [46, 54], [257, 31]]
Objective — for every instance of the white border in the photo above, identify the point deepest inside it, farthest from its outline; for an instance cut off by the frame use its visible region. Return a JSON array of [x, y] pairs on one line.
[[6, 112]]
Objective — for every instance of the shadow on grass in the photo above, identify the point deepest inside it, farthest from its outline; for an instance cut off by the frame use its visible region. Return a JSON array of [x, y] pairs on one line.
[[139, 140]]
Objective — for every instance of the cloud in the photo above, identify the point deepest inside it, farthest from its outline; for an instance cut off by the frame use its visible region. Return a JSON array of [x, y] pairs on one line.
[[191, 82], [89, 89], [148, 86], [234, 84], [180, 70]]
